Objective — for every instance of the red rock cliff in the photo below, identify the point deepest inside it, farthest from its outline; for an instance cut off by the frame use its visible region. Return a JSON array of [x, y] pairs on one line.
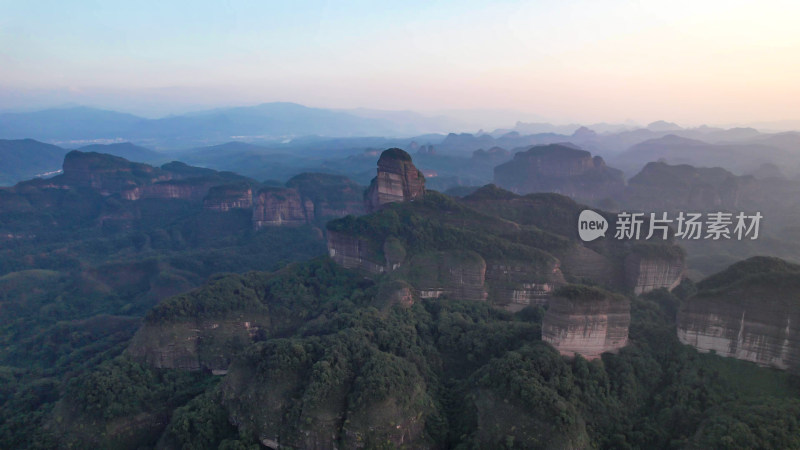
[[398, 180]]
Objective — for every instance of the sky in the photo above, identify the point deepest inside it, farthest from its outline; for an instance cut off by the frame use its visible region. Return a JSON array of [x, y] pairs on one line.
[[690, 62]]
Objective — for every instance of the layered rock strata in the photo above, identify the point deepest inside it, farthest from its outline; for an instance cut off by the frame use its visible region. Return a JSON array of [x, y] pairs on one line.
[[586, 321], [398, 180], [644, 273], [281, 207]]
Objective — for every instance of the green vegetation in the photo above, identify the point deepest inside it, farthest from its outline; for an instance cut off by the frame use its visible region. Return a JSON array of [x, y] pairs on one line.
[[437, 222], [396, 153], [81, 270], [448, 373], [580, 292]]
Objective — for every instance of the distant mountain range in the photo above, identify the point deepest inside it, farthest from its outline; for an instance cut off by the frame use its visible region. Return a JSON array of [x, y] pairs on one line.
[[265, 122]]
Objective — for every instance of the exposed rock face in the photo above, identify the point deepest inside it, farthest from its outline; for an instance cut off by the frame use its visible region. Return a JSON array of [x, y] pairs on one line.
[[559, 168], [398, 180], [582, 263], [750, 311], [332, 195], [644, 273], [352, 252], [586, 320], [227, 197], [281, 207], [191, 190], [455, 274], [749, 331], [517, 284]]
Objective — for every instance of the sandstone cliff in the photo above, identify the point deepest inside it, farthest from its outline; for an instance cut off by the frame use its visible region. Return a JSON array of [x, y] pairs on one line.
[[227, 197], [281, 207], [750, 311], [586, 320], [653, 266], [398, 180], [457, 274], [517, 284], [353, 252], [560, 168], [332, 195], [189, 189]]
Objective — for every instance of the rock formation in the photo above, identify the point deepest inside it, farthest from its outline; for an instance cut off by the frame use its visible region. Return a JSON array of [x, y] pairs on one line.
[[517, 284], [662, 187], [332, 195], [397, 180], [650, 267], [456, 274], [353, 252], [560, 168], [750, 311], [281, 207], [587, 321], [227, 197]]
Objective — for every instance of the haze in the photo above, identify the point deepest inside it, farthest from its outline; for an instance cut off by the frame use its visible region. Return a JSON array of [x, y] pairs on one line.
[[684, 61]]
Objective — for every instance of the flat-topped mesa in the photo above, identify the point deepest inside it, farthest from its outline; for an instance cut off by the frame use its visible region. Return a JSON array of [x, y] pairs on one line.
[[663, 187], [227, 197], [398, 180], [560, 168], [106, 173], [749, 311], [587, 321], [652, 266], [281, 207]]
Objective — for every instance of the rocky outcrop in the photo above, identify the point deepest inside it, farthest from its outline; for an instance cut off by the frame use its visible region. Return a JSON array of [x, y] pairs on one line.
[[517, 284], [651, 267], [332, 195], [352, 252], [587, 321], [750, 311], [281, 207], [398, 180], [560, 168], [581, 263], [456, 274], [227, 197], [750, 331], [190, 190]]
